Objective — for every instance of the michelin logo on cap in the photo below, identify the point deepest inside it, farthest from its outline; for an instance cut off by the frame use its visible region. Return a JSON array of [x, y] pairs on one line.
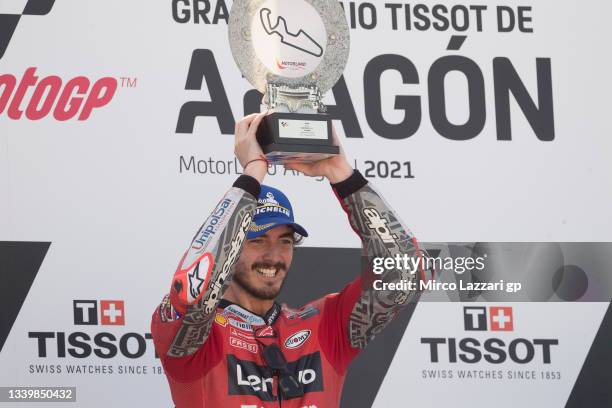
[[269, 204]]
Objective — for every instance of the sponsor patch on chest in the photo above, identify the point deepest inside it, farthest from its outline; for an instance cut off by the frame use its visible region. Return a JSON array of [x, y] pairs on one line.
[[241, 325], [297, 339], [239, 343]]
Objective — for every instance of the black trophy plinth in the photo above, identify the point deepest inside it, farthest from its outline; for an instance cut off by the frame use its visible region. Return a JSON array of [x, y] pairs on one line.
[[288, 136]]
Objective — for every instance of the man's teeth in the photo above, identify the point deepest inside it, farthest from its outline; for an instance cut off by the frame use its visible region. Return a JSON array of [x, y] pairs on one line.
[[267, 272]]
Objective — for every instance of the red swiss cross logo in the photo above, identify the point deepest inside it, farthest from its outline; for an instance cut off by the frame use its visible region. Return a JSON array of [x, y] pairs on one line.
[[501, 318], [112, 312]]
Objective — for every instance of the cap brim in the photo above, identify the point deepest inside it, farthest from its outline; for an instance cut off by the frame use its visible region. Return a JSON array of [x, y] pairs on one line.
[[273, 222]]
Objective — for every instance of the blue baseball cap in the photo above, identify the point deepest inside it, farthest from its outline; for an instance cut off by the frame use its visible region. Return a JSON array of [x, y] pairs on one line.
[[273, 209]]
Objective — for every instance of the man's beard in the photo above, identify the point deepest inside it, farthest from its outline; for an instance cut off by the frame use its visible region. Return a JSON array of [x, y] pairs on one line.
[[265, 292]]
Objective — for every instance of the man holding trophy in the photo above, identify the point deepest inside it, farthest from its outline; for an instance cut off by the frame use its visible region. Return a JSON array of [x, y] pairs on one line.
[[222, 339]]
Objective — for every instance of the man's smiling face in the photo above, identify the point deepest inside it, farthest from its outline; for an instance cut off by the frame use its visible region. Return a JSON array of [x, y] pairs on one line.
[[264, 263]]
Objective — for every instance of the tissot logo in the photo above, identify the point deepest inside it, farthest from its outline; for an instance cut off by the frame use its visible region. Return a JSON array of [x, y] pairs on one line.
[[89, 343], [112, 312], [500, 318], [492, 350], [9, 21]]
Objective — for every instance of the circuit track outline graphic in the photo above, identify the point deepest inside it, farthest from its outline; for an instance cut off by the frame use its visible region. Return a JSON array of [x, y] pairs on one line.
[[264, 15]]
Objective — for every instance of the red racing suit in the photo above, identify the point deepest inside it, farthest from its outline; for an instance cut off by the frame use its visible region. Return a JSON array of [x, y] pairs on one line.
[[207, 345]]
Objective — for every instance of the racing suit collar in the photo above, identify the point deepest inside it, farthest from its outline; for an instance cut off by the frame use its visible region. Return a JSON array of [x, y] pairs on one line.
[[268, 318]]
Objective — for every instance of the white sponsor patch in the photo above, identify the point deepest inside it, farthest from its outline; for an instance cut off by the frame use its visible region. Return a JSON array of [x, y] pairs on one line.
[[211, 226], [241, 325], [244, 314], [378, 224], [297, 339]]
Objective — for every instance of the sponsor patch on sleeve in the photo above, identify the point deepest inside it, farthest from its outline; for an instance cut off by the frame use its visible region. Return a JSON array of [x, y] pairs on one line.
[[220, 319]]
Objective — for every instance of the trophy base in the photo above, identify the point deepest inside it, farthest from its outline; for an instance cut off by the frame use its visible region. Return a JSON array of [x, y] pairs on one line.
[[290, 136], [278, 153]]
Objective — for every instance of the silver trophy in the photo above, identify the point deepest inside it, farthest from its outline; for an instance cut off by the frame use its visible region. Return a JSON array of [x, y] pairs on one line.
[[292, 51]]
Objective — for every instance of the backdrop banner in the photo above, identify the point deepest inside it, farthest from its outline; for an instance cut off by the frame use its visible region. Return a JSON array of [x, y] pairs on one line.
[[484, 125]]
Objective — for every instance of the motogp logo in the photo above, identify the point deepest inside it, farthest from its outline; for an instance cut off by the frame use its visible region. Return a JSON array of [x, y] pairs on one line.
[[66, 99]]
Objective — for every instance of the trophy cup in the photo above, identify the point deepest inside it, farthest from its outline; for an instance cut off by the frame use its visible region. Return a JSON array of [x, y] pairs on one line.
[[292, 51]]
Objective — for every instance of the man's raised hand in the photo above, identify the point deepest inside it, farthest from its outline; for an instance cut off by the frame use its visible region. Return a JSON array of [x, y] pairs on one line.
[[247, 150]]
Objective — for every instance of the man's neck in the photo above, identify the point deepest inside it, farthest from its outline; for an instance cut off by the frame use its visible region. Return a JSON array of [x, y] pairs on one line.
[[239, 296]]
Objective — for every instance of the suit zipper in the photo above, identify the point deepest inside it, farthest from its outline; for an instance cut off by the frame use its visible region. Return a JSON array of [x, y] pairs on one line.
[[278, 391]]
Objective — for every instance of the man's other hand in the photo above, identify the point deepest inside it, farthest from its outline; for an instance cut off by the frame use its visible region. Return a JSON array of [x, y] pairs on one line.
[[335, 168]]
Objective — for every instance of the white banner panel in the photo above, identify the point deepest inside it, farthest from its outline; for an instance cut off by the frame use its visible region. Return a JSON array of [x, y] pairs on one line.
[[495, 354], [477, 121]]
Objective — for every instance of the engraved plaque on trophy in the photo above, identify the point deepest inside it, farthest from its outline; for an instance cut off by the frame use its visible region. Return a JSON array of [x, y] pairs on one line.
[[292, 51]]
